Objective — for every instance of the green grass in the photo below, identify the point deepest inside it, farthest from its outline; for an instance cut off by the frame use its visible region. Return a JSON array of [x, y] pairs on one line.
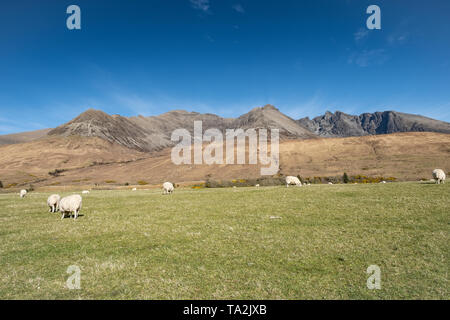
[[313, 242]]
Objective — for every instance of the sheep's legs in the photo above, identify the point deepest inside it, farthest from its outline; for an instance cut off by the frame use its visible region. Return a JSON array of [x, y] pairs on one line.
[[63, 214]]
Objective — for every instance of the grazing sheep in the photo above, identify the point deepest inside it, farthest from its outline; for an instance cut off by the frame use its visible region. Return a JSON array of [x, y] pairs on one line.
[[134, 189], [167, 188], [53, 202], [383, 181], [23, 193], [293, 180], [439, 176], [257, 185], [85, 191], [330, 182], [70, 204]]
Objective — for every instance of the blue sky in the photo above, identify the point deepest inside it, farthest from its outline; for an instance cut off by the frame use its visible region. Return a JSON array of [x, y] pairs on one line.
[[221, 56]]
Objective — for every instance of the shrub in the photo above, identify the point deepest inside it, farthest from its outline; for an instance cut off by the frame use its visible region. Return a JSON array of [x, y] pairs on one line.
[[30, 188], [110, 181], [142, 182], [1, 184], [345, 178], [127, 184], [56, 172], [317, 180]]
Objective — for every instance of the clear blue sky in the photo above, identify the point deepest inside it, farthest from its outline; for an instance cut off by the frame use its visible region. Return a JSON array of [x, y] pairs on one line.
[[221, 56]]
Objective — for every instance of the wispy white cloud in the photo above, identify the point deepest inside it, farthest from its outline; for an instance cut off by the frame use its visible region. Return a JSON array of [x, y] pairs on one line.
[[209, 38], [361, 34], [238, 8], [202, 5], [8, 126], [367, 58], [311, 107], [397, 38], [136, 104]]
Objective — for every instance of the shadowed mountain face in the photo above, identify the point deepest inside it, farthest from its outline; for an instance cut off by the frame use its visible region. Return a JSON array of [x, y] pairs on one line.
[[339, 124], [154, 133]]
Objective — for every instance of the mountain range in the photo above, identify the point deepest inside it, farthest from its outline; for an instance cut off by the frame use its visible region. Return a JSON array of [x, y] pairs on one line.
[[97, 149], [153, 133]]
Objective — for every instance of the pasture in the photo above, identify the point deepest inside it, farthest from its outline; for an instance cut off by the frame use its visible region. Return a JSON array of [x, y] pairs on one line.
[[312, 242]]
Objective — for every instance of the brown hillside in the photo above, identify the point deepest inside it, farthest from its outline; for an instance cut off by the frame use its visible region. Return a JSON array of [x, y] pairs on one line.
[[31, 161], [23, 136], [405, 156]]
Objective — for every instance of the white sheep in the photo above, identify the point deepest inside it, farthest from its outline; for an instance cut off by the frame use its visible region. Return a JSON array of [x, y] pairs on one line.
[[134, 189], [23, 193], [85, 191], [53, 202], [167, 188], [70, 204], [257, 185], [330, 182], [439, 176], [293, 180]]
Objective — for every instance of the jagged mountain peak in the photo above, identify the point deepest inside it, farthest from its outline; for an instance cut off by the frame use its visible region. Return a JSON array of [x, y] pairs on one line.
[[340, 124]]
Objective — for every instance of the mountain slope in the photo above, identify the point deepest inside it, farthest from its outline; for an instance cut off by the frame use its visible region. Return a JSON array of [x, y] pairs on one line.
[[154, 133], [23, 136], [271, 118], [95, 123], [31, 161], [340, 124]]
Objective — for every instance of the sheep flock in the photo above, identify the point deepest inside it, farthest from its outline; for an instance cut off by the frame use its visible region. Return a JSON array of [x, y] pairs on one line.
[[71, 205]]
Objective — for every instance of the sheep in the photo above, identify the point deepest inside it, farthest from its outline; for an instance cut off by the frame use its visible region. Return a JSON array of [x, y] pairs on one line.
[[383, 181], [293, 180], [85, 191], [330, 182], [167, 188], [53, 202], [257, 185], [134, 189], [23, 193], [70, 204], [439, 176]]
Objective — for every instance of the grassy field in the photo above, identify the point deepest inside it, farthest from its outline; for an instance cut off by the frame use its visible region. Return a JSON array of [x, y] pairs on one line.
[[313, 242]]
